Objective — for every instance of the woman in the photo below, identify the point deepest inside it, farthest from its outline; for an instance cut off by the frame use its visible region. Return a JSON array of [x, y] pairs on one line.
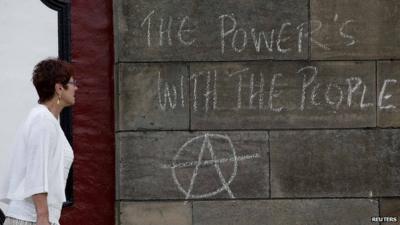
[[41, 156]]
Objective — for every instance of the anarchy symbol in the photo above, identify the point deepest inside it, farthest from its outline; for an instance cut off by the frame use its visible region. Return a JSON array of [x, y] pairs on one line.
[[205, 146]]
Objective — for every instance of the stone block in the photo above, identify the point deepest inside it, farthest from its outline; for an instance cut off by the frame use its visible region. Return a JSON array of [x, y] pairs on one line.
[[153, 96], [388, 94], [211, 30], [358, 29], [276, 95], [285, 212], [335, 163], [183, 165], [160, 213], [390, 211]]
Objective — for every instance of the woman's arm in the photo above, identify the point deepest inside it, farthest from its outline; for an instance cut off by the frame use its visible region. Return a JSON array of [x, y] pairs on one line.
[[42, 210]]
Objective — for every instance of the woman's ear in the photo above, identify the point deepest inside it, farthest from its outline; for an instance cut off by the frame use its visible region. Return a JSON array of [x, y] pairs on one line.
[[58, 88]]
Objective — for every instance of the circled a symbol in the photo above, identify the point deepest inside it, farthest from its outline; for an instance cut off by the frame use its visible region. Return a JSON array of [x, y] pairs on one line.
[[206, 145]]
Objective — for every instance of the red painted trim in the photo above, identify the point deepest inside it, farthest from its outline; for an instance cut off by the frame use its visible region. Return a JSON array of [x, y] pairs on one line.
[[93, 114]]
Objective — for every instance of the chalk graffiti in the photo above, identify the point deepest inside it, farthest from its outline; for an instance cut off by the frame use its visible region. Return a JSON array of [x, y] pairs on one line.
[[249, 89], [207, 146], [165, 31]]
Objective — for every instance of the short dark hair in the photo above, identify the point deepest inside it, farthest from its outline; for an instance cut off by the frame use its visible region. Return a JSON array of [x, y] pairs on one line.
[[47, 73]]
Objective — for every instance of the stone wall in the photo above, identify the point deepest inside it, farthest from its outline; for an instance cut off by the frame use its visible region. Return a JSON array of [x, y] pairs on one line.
[[257, 112]]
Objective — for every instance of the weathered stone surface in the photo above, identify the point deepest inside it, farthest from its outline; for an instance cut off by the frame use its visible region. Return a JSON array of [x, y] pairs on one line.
[[341, 163], [264, 95], [388, 94], [160, 213], [153, 96], [359, 29], [285, 212], [390, 208], [210, 30], [165, 165]]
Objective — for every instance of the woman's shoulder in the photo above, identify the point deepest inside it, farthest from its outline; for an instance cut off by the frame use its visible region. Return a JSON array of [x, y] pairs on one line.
[[41, 112], [40, 115]]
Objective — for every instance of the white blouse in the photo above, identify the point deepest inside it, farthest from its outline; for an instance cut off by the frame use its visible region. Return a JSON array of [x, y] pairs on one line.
[[40, 161]]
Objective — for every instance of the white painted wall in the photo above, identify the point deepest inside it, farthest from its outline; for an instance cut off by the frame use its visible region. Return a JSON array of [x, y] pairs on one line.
[[28, 34]]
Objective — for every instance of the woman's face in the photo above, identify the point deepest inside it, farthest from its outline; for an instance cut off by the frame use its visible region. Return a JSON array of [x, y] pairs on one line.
[[68, 95]]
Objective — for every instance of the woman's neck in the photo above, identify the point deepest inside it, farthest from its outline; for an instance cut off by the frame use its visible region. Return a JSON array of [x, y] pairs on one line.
[[53, 107]]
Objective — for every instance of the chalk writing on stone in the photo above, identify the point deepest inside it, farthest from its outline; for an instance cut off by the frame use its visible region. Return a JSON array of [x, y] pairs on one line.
[[168, 94], [383, 95], [167, 30], [265, 91], [194, 145]]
